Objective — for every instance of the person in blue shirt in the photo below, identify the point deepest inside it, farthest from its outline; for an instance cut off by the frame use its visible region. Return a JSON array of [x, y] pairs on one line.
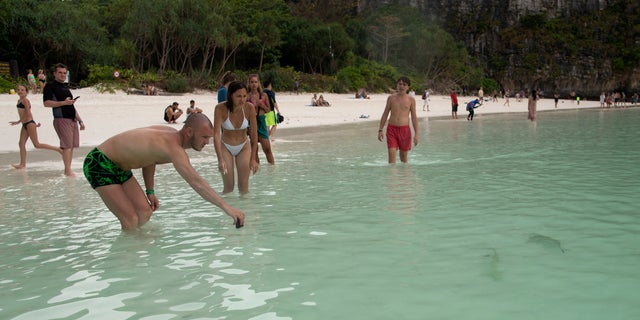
[[227, 78], [472, 105]]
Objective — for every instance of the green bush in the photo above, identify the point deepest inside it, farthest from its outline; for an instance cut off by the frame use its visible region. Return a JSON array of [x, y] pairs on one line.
[[98, 74], [370, 75], [177, 84], [6, 84], [282, 78], [351, 78]]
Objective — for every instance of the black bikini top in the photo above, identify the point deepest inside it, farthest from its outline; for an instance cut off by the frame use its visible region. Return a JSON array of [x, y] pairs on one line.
[[20, 105]]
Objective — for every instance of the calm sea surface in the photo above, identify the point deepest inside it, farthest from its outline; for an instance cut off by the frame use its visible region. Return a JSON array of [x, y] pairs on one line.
[[497, 218]]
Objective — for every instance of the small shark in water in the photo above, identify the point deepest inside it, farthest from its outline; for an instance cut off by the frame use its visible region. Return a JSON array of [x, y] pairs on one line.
[[545, 241]]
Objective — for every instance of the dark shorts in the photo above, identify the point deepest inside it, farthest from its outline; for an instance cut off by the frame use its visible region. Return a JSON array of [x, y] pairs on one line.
[[399, 137], [454, 107], [101, 171]]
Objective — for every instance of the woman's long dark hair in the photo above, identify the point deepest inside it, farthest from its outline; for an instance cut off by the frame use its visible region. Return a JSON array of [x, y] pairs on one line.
[[233, 87]]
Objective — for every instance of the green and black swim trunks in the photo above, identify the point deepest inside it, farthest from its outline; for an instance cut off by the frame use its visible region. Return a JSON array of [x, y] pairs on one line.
[[101, 171]]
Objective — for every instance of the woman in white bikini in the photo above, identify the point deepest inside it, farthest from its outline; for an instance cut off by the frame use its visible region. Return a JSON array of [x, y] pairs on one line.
[[29, 126], [232, 120]]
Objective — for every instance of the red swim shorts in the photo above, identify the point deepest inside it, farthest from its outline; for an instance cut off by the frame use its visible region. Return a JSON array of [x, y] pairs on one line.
[[399, 137]]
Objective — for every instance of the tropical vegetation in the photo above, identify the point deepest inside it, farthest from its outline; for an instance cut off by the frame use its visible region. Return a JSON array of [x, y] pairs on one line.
[[325, 45]]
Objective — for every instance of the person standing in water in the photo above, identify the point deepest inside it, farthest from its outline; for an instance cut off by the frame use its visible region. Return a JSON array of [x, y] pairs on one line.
[[272, 116], [260, 101], [399, 111], [29, 128], [234, 120], [108, 169], [454, 105], [66, 119], [531, 106]]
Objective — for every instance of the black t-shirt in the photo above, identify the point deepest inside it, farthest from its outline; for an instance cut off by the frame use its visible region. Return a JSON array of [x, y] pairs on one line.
[[272, 98], [57, 91]]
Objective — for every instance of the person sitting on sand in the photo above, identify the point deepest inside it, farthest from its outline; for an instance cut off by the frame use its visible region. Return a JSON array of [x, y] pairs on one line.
[[172, 113], [362, 94], [314, 100], [322, 102], [150, 90], [192, 108], [29, 126]]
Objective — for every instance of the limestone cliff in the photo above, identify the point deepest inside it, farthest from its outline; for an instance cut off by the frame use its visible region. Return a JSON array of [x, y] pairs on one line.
[[481, 25]]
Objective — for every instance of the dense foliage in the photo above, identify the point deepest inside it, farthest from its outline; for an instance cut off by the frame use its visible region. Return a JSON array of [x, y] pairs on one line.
[[180, 45], [189, 44]]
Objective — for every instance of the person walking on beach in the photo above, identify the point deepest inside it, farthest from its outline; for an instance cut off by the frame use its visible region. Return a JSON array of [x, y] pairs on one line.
[[272, 116], [556, 97], [454, 105], [532, 106], [42, 78], [108, 169], [506, 98], [260, 102], [31, 78], [235, 152], [66, 118], [400, 110], [29, 126], [425, 97]]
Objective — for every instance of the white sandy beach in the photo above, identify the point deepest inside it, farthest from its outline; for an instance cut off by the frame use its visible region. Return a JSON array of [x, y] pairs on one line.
[[106, 114]]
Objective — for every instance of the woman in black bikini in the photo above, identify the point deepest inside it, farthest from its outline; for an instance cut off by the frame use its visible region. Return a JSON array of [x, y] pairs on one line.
[[28, 128]]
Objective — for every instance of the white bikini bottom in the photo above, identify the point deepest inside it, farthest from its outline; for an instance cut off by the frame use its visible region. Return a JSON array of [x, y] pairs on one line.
[[235, 150]]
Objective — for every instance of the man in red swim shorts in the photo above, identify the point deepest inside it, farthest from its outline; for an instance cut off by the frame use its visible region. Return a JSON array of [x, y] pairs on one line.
[[401, 107]]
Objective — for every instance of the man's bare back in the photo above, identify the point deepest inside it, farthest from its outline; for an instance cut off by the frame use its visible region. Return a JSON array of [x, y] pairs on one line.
[[141, 147]]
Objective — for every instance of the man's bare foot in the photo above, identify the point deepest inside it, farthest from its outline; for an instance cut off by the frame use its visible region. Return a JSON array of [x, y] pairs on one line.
[[18, 166], [70, 174]]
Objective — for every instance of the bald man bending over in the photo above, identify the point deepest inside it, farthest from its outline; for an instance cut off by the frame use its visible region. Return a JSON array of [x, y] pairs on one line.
[[108, 168]]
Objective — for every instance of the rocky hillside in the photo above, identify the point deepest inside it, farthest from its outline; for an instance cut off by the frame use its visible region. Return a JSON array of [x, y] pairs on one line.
[[556, 45]]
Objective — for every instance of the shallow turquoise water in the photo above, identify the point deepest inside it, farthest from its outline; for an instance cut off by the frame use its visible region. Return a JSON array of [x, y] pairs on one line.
[[495, 219]]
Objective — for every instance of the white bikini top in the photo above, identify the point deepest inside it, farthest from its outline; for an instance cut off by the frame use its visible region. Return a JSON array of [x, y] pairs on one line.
[[227, 125]]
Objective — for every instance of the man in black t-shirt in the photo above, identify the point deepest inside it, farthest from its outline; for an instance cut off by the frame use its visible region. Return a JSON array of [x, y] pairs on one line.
[[58, 97]]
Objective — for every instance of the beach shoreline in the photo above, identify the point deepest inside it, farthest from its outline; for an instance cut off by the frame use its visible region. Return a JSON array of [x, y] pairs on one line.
[[106, 114]]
